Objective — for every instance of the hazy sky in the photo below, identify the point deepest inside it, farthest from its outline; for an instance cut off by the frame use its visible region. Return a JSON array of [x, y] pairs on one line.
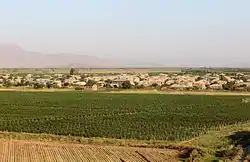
[[210, 32]]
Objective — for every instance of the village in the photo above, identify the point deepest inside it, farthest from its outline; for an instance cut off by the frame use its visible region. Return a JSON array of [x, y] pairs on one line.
[[160, 81]]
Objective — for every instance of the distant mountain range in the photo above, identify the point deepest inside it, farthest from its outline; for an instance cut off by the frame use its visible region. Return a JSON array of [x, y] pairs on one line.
[[13, 56]]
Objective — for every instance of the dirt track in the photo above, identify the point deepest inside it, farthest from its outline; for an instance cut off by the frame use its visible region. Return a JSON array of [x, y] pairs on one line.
[[219, 93], [32, 151]]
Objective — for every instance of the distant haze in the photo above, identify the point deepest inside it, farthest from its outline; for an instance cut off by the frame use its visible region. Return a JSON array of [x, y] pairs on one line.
[[16, 57], [125, 33]]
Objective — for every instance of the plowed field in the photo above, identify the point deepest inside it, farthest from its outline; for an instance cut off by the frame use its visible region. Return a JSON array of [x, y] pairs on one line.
[[32, 151]]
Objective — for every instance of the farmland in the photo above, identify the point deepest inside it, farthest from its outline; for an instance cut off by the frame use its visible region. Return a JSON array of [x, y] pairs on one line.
[[50, 152], [119, 116]]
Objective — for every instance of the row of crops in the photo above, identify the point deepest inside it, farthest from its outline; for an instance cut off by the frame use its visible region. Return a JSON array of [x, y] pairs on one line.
[[131, 116]]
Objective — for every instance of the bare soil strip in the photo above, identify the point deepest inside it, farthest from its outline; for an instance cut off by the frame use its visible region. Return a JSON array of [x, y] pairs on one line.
[[219, 93], [34, 151]]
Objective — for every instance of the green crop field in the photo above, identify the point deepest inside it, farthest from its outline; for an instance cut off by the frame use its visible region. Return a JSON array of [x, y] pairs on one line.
[[129, 116]]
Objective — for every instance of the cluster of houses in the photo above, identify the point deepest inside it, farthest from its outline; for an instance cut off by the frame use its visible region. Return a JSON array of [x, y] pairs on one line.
[[180, 81]]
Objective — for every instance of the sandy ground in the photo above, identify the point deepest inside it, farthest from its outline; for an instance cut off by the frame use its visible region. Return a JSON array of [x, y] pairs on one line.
[[182, 92], [33, 151], [136, 91]]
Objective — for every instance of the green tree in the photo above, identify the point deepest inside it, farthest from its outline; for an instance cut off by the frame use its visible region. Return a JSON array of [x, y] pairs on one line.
[[49, 85], [229, 86], [90, 83], [141, 86], [8, 84], [66, 84], [38, 86], [126, 85], [72, 71], [108, 81]]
